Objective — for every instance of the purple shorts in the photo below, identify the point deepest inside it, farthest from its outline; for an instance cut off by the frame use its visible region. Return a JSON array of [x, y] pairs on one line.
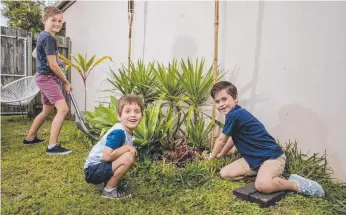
[[50, 88]]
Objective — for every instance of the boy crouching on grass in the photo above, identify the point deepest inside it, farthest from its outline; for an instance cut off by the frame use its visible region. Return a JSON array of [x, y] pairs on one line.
[[261, 155], [114, 154]]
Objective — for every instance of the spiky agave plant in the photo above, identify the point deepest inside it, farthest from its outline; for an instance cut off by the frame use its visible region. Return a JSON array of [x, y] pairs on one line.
[[148, 132], [103, 117]]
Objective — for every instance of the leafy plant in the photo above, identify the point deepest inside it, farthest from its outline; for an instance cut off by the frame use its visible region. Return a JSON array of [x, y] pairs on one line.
[[171, 86], [103, 118], [147, 133], [198, 133], [171, 90], [122, 81], [140, 80], [84, 66], [24, 14], [168, 84], [143, 79], [182, 154], [169, 127], [196, 83]]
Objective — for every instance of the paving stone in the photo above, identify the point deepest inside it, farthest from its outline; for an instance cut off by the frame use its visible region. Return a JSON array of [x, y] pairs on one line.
[[250, 178], [244, 192], [249, 193], [265, 199]]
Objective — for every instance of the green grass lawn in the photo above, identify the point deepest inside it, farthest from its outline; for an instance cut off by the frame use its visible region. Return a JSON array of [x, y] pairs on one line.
[[35, 183]]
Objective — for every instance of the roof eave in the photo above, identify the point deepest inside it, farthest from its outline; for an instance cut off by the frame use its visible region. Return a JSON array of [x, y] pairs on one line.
[[63, 5]]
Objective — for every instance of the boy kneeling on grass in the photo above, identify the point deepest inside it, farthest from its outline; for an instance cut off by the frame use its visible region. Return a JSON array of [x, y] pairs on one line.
[[261, 155], [114, 154]]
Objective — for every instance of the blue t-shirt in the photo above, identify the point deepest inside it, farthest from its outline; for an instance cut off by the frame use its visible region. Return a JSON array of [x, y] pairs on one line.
[[45, 45], [114, 138], [250, 137]]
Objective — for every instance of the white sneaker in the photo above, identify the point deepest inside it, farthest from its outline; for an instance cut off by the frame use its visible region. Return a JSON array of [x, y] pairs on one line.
[[307, 186]]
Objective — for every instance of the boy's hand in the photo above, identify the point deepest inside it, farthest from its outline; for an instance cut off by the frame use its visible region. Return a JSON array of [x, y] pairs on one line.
[[68, 87], [208, 156], [61, 63], [133, 150]]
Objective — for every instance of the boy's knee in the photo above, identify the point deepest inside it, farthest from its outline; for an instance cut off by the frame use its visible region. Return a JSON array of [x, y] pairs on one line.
[[130, 158], [264, 187], [226, 174], [63, 110], [223, 173]]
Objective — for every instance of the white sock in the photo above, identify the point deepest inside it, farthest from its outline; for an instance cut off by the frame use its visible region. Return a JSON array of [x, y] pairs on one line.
[[51, 146], [109, 189]]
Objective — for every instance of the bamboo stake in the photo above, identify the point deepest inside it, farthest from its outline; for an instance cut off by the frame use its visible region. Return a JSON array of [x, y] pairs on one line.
[[216, 44], [131, 7]]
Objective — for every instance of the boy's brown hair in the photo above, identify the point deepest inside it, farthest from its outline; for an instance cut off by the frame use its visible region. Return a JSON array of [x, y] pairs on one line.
[[129, 99], [230, 88], [48, 12]]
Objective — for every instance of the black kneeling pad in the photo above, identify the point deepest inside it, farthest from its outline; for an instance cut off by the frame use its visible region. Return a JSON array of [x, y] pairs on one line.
[[249, 193]]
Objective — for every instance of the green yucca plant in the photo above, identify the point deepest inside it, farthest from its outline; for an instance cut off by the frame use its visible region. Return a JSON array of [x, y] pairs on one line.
[[140, 80], [142, 77], [121, 81], [170, 88], [169, 126], [198, 133], [168, 83], [197, 82], [84, 66]]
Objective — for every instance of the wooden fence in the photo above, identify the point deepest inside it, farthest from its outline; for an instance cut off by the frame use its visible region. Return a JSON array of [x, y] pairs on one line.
[[17, 62]]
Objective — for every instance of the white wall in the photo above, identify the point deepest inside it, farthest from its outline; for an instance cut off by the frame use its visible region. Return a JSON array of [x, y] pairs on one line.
[[98, 28], [287, 59], [291, 60]]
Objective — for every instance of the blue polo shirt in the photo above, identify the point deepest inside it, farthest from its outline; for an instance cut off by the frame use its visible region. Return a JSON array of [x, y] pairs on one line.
[[250, 137]]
